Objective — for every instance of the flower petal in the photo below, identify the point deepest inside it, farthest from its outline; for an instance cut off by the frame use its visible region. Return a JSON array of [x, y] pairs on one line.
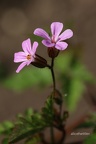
[[66, 35], [61, 45], [21, 67], [29, 61], [26, 45], [34, 47], [19, 57], [56, 28], [48, 43], [42, 33]]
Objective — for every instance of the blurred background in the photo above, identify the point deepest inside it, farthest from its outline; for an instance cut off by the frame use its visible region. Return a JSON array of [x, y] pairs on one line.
[[18, 19]]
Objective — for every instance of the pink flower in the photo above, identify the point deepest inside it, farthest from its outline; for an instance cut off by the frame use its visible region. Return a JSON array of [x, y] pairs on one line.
[[57, 38], [27, 55]]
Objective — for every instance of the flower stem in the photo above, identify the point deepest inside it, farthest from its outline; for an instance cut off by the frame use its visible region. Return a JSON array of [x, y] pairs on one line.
[[53, 76], [51, 67], [54, 87]]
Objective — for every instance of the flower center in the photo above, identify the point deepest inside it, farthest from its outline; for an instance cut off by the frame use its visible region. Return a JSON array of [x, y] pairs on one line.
[[53, 39], [29, 57]]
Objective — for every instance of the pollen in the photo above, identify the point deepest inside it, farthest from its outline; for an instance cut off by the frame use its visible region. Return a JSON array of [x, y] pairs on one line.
[[28, 57]]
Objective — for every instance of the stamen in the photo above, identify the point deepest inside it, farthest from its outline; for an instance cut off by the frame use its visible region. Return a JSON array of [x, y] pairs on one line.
[[28, 57]]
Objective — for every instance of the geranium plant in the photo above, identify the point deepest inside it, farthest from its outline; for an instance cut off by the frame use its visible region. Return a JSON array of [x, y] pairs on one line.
[[32, 125]]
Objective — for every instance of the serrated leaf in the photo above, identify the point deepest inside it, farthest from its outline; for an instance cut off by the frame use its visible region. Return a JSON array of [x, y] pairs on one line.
[[47, 111], [25, 128], [22, 132]]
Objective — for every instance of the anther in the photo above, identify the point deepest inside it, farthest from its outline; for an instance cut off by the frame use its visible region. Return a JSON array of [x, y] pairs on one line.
[[28, 57]]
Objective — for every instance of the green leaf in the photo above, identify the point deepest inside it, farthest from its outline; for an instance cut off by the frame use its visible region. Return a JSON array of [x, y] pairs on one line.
[[82, 73], [21, 131], [33, 139], [73, 76], [27, 127], [28, 114], [27, 78], [8, 125], [2, 129], [5, 141], [48, 112], [87, 124], [90, 139], [76, 90], [5, 127]]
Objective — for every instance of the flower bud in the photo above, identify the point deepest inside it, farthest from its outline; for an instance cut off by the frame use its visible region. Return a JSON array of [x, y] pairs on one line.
[[53, 52], [39, 62]]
